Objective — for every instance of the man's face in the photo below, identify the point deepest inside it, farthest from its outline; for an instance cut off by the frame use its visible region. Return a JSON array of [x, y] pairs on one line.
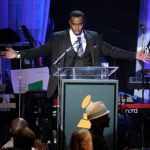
[[102, 122], [105, 120], [76, 24]]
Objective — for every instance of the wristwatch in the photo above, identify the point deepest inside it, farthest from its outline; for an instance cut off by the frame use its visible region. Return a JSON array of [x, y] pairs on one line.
[[18, 54]]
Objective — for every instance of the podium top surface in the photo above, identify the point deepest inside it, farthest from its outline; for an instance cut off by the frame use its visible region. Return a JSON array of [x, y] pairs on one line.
[[85, 72]]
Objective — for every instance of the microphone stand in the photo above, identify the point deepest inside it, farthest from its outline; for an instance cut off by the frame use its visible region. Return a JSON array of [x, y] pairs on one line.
[[143, 36], [20, 79], [64, 53], [142, 125]]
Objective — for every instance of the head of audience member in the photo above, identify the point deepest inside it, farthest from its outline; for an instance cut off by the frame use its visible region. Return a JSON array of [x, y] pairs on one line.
[[24, 139], [98, 114], [77, 21], [81, 140], [17, 124]]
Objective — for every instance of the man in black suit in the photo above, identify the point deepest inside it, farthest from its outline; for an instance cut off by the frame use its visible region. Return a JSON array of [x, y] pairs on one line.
[[92, 49]]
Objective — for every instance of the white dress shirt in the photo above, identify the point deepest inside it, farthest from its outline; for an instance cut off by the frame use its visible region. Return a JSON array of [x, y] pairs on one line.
[[74, 42]]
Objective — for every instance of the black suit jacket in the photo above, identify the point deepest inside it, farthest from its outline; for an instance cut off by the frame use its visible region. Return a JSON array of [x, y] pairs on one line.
[[60, 41]]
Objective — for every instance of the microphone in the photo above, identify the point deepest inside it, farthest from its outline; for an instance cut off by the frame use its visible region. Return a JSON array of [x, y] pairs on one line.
[[75, 42], [142, 28], [28, 35], [148, 45], [148, 48], [79, 39]]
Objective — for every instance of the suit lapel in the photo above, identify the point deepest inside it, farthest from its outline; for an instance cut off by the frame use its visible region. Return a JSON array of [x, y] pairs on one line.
[[71, 52], [90, 44]]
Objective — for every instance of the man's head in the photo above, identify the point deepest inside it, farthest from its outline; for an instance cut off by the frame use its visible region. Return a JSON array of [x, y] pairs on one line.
[[97, 113], [76, 21], [24, 139], [17, 124], [81, 140]]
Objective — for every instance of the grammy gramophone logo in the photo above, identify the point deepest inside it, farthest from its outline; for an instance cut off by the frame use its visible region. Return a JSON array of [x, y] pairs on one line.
[[84, 122]]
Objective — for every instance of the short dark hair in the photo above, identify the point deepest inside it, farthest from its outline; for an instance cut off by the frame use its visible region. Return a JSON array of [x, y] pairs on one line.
[[24, 139], [77, 13]]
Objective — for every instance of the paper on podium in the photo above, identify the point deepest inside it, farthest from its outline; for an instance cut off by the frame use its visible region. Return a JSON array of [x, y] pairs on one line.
[[30, 79]]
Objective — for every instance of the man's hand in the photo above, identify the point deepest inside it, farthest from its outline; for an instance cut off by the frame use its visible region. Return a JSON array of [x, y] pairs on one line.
[[38, 145], [9, 53], [141, 55]]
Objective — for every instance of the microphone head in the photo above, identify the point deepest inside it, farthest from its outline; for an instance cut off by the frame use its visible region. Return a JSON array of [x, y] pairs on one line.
[[148, 45], [79, 38], [142, 28]]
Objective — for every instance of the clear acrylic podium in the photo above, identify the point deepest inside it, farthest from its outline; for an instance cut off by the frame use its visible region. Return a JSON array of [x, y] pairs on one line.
[[75, 83], [85, 72]]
